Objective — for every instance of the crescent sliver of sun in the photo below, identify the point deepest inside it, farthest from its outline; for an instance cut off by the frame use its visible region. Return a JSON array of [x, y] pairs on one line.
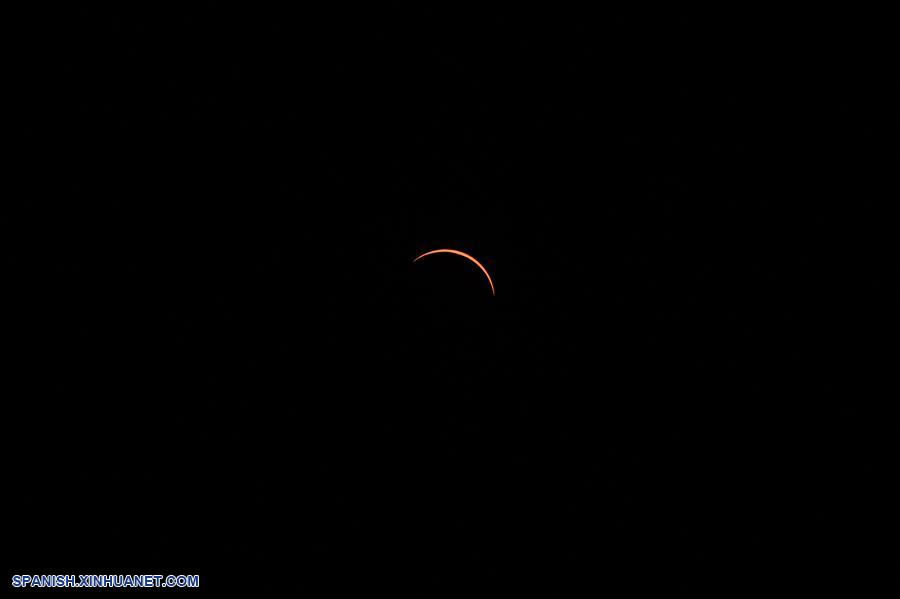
[[464, 255]]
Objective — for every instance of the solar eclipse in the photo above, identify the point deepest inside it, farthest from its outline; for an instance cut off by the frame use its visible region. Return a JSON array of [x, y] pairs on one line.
[[464, 255]]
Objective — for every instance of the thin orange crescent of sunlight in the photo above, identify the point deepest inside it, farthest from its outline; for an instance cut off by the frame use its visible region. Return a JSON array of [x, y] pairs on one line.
[[464, 255]]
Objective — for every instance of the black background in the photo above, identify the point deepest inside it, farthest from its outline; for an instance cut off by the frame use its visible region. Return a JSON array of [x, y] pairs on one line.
[[224, 362]]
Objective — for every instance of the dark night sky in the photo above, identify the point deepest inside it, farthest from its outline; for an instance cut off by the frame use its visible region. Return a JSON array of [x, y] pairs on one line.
[[224, 361]]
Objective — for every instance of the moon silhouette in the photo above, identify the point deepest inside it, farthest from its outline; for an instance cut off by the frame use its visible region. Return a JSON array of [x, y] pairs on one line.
[[464, 255]]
